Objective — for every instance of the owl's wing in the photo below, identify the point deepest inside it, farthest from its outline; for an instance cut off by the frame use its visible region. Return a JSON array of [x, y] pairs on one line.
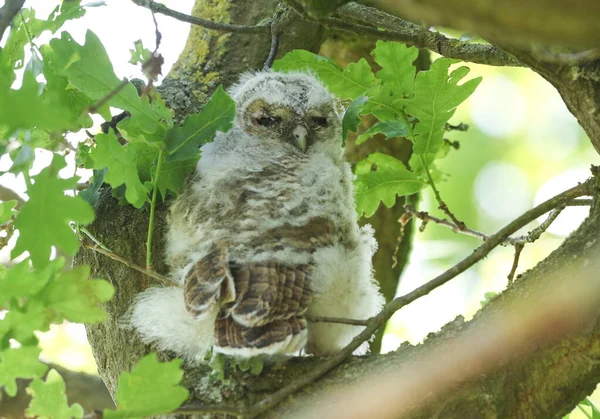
[[269, 291], [209, 283], [268, 313]]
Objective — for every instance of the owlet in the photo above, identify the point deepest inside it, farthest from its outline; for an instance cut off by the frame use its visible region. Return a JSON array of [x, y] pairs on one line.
[[265, 235]]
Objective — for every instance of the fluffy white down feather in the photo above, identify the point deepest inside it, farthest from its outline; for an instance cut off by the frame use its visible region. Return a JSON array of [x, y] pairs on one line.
[[343, 287], [160, 317]]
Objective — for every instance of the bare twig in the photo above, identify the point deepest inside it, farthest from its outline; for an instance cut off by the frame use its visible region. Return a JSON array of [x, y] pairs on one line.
[[273, 51], [351, 322], [8, 12], [530, 237], [155, 275], [390, 308], [208, 24], [513, 269]]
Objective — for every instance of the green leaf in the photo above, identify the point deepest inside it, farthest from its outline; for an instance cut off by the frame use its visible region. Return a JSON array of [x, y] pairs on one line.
[[77, 298], [44, 220], [49, 399], [382, 103], [19, 363], [388, 179], [92, 193], [217, 115], [437, 95], [25, 25], [397, 69], [121, 164], [351, 119], [139, 54], [20, 281], [390, 129], [350, 83], [151, 388], [595, 412], [6, 211], [25, 108], [89, 69]]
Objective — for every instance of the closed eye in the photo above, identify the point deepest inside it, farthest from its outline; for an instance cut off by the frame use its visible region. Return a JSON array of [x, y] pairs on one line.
[[320, 121], [268, 121]]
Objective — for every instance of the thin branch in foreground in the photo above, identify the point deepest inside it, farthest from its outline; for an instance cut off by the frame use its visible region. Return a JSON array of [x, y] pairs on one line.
[[155, 275], [8, 12], [396, 304], [208, 24], [339, 320]]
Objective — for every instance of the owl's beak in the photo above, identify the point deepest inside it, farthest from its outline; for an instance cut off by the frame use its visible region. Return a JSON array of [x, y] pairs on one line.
[[300, 134]]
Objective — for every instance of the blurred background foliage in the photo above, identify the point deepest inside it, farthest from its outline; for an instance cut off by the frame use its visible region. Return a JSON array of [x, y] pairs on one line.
[[522, 147]]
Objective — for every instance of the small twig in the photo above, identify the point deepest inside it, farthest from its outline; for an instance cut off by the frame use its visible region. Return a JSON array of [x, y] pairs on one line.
[[459, 127], [535, 234], [8, 12], [208, 24], [513, 269], [351, 322], [160, 278], [273, 51], [155, 180], [94, 108], [532, 236], [396, 304], [441, 203], [426, 218], [94, 239]]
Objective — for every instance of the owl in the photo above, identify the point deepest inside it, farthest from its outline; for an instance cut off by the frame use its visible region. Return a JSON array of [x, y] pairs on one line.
[[265, 236]]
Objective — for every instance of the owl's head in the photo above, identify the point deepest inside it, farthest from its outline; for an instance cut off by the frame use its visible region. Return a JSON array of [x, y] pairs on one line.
[[290, 108]]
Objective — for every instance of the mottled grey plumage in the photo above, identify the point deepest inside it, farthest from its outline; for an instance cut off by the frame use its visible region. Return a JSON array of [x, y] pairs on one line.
[[266, 233]]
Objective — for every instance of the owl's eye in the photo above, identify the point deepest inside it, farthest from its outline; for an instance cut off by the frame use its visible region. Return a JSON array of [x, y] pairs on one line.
[[268, 121], [320, 121]]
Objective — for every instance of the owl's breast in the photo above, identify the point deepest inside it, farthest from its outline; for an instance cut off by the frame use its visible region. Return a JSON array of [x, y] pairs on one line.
[[287, 211]]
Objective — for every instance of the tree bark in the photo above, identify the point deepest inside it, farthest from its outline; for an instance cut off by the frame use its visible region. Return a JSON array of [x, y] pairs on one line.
[[513, 391]]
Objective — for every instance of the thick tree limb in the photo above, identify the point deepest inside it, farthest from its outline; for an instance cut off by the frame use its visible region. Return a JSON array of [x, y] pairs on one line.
[[8, 12], [418, 36], [550, 22]]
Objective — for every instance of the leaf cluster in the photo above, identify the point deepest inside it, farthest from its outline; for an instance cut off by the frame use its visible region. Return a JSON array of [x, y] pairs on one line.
[[407, 104]]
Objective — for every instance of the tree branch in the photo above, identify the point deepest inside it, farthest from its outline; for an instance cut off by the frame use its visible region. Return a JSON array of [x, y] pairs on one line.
[[574, 23], [152, 274], [208, 24], [8, 12], [390, 308], [413, 34]]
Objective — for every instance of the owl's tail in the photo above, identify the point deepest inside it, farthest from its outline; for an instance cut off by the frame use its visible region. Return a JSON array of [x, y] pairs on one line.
[[160, 317]]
